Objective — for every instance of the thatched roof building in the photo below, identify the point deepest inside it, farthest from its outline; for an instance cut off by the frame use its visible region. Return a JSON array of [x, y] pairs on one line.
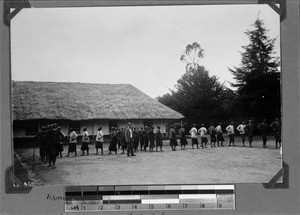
[[84, 101]]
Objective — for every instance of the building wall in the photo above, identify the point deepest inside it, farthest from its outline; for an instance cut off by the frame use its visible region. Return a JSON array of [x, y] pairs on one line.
[[135, 123], [161, 123], [100, 123], [64, 127], [91, 125]]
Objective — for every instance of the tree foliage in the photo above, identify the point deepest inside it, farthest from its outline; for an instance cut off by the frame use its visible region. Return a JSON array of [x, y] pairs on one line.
[[258, 78], [199, 97], [192, 55]]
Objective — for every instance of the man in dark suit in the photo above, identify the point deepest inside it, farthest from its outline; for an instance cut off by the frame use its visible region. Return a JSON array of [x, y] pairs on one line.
[[129, 139]]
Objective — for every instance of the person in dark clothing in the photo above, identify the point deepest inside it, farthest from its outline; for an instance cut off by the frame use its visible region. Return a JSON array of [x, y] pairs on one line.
[[151, 136], [41, 139], [47, 143], [173, 140], [212, 133], [121, 140], [276, 127], [113, 141], [183, 141], [54, 136], [220, 137], [136, 139], [249, 129], [158, 139], [263, 127], [146, 138], [72, 142], [60, 147], [141, 139], [85, 142]]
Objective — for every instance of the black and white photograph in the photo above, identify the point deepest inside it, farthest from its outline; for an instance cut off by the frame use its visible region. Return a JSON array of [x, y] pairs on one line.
[[185, 94]]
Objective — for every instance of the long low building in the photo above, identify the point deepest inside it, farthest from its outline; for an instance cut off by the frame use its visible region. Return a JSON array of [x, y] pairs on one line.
[[78, 105]]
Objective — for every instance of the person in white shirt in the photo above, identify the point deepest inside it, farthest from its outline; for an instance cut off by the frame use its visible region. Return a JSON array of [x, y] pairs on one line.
[[220, 137], [241, 129], [230, 130], [99, 141], [194, 137], [202, 131]]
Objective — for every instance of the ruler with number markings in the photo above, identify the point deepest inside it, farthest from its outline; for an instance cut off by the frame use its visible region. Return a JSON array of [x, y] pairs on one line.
[[147, 198]]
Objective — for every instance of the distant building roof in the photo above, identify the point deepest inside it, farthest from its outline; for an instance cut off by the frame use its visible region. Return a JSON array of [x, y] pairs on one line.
[[84, 101]]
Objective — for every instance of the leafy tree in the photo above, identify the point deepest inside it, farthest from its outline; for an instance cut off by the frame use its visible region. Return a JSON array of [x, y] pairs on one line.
[[199, 97], [192, 55], [258, 78]]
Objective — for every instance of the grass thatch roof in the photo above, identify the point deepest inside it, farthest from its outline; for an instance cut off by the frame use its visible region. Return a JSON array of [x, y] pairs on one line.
[[84, 101]]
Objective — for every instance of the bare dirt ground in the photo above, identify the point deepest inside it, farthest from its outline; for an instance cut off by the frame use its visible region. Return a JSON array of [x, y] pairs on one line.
[[234, 164]]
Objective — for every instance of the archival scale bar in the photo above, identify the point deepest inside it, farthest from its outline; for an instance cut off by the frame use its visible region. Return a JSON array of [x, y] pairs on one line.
[[141, 198]]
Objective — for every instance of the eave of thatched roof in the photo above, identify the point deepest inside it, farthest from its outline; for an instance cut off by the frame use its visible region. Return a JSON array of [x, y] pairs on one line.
[[84, 101]]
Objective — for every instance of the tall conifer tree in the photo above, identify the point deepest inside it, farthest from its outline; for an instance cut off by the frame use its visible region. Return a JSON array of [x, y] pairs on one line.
[[258, 77]]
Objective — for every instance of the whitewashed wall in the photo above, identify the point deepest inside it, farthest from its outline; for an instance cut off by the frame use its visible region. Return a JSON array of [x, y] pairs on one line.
[[161, 123], [135, 123], [101, 123], [93, 125], [64, 127]]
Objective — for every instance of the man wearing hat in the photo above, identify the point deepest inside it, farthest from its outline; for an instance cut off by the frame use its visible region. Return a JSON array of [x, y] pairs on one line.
[[129, 139]]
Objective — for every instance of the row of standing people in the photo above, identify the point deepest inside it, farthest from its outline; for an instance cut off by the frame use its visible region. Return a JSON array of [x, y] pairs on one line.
[[143, 137], [244, 129], [51, 138]]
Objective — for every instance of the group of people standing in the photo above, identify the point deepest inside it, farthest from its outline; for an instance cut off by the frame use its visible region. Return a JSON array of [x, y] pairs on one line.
[[129, 138], [244, 129], [51, 138], [144, 137]]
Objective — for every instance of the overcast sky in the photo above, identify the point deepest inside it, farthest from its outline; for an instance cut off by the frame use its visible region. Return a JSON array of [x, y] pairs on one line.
[[137, 45]]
